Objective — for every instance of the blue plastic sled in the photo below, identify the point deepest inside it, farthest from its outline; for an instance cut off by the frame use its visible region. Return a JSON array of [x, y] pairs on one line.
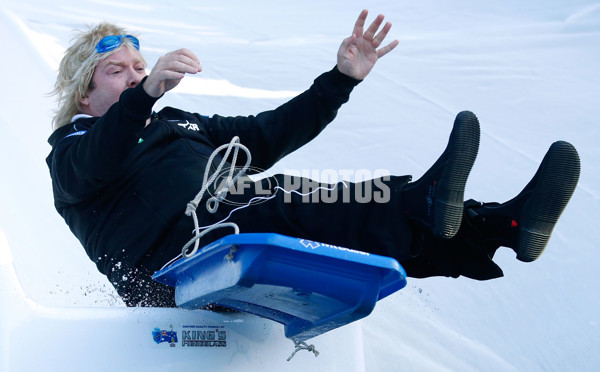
[[308, 287]]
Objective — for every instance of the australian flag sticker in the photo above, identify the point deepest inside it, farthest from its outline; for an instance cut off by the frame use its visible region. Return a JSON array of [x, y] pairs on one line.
[[161, 335]]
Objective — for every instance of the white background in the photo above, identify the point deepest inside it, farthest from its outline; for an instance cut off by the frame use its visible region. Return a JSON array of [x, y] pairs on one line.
[[529, 70]]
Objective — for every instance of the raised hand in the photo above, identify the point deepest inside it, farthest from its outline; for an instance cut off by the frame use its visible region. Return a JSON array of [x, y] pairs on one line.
[[358, 53], [169, 70]]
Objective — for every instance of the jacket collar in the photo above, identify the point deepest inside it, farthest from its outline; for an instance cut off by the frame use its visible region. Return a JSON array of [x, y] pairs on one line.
[[79, 122]]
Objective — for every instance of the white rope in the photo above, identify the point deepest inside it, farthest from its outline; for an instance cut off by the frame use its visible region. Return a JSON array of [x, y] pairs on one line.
[[212, 204], [301, 345]]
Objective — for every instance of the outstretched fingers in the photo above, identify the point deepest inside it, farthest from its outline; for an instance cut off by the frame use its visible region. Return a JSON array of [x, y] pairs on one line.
[[386, 49], [360, 23], [359, 53], [370, 34], [377, 40]]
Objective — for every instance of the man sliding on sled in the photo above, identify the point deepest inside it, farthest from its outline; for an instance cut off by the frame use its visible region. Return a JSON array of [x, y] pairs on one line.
[[123, 174]]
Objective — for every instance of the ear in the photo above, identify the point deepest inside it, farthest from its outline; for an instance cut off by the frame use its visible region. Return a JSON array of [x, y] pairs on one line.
[[84, 101], [84, 105]]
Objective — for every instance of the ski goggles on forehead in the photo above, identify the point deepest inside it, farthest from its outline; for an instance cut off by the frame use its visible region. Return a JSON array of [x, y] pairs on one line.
[[112, 42]]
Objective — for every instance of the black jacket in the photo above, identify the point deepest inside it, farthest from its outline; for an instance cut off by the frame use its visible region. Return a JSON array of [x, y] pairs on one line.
[[122, 186]]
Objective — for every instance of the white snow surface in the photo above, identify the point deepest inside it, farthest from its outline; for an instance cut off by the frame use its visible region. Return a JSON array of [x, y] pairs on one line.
[[528, 69]]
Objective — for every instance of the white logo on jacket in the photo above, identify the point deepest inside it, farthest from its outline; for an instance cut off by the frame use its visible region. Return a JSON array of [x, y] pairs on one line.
[[188, 125]]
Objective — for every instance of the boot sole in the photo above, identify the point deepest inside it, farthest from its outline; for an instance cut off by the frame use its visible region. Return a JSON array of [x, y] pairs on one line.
[[462, 151], [555, 183]]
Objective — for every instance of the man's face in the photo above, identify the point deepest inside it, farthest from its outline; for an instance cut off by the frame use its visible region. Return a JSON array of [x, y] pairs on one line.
[[119, 71]]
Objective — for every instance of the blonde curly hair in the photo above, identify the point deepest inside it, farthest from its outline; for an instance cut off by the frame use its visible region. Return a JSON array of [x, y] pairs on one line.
[[77, 67]]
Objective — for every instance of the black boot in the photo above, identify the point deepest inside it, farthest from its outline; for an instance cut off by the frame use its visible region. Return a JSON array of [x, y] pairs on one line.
[[525, 222], [436, 199], [467, 254]]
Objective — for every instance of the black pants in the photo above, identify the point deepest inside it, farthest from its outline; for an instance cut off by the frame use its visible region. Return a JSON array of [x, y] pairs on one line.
[[368, 216], [365, 216]]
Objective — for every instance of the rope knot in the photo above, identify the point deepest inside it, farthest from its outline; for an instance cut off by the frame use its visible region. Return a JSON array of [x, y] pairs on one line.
[[191, 208], [301, 345]]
